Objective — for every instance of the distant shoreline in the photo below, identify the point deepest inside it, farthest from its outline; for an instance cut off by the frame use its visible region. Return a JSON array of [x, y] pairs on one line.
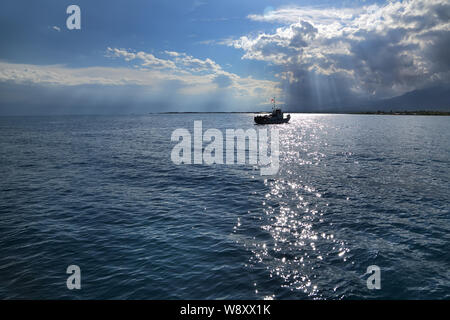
[[408, 113], [394, 113]]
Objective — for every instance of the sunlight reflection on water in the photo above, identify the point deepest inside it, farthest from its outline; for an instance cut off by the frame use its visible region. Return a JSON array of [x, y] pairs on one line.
[[296, 248]]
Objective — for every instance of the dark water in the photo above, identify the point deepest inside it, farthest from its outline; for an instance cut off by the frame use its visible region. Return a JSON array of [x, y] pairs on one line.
[[102, 193]]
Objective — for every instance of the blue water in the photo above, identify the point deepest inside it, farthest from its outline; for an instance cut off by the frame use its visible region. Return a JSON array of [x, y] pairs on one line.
[[101, 192]]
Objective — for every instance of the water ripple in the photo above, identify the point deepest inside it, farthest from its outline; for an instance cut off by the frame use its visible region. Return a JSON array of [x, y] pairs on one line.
[[102, 193]]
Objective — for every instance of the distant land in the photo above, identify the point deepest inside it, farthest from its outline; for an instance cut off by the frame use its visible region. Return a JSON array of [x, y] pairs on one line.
[[427, 101], [409, 113], [379, 112], [432, 98]]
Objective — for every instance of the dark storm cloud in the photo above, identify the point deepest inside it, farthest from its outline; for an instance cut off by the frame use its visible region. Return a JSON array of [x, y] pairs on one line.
[[438, 49], [313, 91], [369, 53]]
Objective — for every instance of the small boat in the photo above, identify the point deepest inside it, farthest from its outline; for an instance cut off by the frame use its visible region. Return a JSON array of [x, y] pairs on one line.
[[275, 117]]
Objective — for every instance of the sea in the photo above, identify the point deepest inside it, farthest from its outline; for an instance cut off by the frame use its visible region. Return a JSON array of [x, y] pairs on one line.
[[102, 193]]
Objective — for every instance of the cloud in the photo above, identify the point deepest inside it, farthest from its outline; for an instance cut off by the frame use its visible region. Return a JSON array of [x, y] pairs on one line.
[[147, 59], [289, 15], [192, 71], [177, 82], [327, 57], [59, 75], [177, 60], [196, 65]]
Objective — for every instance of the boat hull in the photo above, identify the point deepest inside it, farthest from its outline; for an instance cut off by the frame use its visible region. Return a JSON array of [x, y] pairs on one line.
[[269, 120]]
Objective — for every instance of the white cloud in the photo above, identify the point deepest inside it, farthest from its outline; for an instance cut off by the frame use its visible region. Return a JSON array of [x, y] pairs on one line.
[[289, 15], [177, 60], [147, 59], [180, 75], [192, 71]]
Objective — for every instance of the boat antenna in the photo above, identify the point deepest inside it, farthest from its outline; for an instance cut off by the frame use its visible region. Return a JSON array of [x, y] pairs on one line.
[[273, 107]]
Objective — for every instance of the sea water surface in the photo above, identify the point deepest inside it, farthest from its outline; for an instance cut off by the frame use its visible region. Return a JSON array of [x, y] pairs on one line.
[[101, 192]]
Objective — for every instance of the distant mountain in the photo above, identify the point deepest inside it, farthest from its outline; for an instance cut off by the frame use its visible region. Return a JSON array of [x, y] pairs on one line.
[[428, 99], [432, 98]]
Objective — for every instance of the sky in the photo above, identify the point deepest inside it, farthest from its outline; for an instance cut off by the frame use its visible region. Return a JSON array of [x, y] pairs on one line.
[[142, 56]]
